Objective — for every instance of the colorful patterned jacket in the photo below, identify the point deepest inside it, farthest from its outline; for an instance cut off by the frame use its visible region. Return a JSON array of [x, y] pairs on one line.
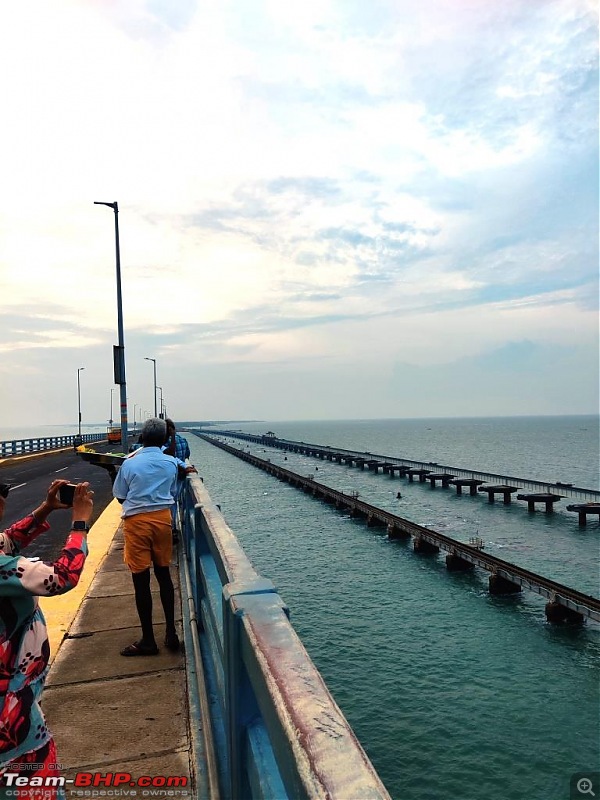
[[24, 648]]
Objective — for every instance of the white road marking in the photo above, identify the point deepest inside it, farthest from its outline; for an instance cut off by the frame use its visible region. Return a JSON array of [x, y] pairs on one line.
[[62, 469], [18, 486]]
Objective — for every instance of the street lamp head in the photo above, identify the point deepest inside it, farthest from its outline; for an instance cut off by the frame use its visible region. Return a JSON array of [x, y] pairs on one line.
[[114, 205]]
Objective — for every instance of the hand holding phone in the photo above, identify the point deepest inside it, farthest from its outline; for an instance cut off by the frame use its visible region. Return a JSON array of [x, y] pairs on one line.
[[66, 494]]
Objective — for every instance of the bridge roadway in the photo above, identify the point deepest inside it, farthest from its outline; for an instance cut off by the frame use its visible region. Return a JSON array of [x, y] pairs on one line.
[[325, 451], [576, 605], [267, 727]]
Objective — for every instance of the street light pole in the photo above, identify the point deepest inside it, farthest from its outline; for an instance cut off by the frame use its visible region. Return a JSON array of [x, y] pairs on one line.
[[121, 360], [161, 402], [134, 408], [110, 421], [79, 398], [155, 386]]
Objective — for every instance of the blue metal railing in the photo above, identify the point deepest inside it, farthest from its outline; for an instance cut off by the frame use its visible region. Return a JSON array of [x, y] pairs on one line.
[[20, 447], [275, 730]]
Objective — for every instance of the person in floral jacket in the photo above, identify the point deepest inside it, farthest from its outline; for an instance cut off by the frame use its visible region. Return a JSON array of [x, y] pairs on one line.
[[26, 744]]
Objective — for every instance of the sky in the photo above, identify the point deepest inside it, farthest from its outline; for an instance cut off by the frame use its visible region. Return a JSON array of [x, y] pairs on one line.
[[332, 209]]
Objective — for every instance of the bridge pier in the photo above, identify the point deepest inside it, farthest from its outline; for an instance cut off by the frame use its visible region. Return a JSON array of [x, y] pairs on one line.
[[455, 563], [505, 491], [443, 477], [500, 585], [547, 498], [423, 546], [394, 532], [583, 509], [559, 614], [471, 483], [421, 473]]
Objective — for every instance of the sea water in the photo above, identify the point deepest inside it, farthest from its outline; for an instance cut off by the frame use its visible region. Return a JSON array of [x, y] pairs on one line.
[[453, 693]]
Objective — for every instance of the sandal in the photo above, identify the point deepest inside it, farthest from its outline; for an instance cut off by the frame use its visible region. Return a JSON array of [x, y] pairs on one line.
[[172, 643], [139, 649]]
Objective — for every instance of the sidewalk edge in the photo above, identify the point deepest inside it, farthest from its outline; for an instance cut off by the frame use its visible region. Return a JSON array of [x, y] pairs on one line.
[[61, 610]]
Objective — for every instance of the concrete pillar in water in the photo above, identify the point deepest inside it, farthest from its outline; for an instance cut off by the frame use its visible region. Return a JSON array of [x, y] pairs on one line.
[[397, 533], [423, 546], [500, 585], [455, 563], [557, 613]]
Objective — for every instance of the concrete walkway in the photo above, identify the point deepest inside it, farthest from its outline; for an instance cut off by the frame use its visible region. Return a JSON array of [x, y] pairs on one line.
[[111, 714]]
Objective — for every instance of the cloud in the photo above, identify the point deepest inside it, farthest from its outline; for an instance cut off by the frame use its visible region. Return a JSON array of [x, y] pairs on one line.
[[330, 181]]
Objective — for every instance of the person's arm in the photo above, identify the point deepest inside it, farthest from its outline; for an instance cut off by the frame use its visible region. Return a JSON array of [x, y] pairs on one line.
[[23, 532], [121, 485], [23, 576]]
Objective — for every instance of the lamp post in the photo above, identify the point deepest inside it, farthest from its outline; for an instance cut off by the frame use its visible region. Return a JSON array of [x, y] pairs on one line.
[[161, 415], [79, 398], [110, 421], [134, 408], [120, 355], [155, 386]]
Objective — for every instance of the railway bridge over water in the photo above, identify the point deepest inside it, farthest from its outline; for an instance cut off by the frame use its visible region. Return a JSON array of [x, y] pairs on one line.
[[564, 603], [532, 491]]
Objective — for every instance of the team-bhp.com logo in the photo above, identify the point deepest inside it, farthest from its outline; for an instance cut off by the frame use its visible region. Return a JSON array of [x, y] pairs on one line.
[[90, 784]]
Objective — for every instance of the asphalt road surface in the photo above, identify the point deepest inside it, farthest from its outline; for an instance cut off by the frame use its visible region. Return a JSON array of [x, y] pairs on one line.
[[30, 478]]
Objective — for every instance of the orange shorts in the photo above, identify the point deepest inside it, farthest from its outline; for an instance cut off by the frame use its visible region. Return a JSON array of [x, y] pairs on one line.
[[148, 540]]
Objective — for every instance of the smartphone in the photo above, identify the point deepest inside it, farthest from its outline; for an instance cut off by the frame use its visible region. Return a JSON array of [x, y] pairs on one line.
[[66, 494], [4, 489]]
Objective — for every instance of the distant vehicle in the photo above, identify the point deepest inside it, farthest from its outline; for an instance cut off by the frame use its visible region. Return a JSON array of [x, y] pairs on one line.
[[113, 434]]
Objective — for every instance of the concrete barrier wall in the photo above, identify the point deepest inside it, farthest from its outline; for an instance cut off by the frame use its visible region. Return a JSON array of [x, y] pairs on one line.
[[277, 730]]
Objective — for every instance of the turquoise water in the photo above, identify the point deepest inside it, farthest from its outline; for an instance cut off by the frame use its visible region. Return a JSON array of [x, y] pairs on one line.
[[452, 693]]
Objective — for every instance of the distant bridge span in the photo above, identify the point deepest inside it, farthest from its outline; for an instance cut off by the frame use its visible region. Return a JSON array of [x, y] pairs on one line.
[[565, 604]]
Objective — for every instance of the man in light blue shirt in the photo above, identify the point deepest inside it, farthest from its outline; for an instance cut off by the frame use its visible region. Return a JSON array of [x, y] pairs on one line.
[[145, 486], [145, 482]]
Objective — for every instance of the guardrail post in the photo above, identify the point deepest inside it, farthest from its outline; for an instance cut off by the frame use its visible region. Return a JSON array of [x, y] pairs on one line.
[[233, 690], [198, 548], [240, 703]]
